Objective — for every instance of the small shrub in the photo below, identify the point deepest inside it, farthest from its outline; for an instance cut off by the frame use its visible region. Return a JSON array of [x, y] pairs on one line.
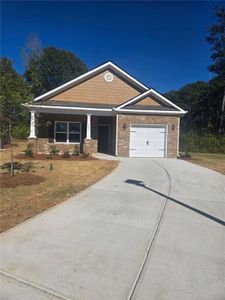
[[54, 150], [76, 150], [17, 166], [66, 154], [29, 150]]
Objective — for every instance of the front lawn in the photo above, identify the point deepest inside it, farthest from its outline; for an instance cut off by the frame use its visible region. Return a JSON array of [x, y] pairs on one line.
[[47, 183], [215, 162]]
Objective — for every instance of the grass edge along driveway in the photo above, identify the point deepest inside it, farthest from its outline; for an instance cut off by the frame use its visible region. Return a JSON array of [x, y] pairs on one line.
[[64, 179]]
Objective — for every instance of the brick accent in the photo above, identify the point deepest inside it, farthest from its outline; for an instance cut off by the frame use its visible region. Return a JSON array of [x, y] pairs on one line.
[[43, 146], [90, 146], [124, 134], [34, 142], [46, 134]]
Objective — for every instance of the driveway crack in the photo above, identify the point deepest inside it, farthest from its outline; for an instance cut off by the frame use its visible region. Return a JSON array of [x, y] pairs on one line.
[[153, 235]]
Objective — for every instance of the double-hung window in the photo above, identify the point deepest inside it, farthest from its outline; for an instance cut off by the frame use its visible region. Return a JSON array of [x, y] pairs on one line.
[[67, 132]]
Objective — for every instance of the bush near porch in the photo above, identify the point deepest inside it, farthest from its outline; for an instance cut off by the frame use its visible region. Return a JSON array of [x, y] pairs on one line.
[[56, 181]]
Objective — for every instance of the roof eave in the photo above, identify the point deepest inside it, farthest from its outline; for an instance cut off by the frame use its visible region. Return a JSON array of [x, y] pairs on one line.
[[86, 76]]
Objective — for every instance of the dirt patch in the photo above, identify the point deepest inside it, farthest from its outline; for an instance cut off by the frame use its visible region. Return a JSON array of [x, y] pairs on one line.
[[54, 157], [41, 182], [25, 178]]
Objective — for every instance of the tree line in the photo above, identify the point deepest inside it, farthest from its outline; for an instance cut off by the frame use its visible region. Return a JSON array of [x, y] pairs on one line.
[[45, 69], [203, 127], [49, 67]]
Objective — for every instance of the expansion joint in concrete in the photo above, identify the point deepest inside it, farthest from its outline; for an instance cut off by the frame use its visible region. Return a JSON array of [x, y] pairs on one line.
[[35, 286], [153, 235]]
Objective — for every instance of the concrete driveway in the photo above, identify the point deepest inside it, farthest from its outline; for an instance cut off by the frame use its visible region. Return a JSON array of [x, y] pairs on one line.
[[123, 238]]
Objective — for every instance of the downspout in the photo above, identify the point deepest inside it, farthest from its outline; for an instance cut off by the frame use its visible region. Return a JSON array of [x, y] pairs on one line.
[[178, 137], [116, 150]]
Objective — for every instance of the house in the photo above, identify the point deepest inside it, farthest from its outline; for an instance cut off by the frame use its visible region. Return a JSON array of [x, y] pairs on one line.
[[106, 110]]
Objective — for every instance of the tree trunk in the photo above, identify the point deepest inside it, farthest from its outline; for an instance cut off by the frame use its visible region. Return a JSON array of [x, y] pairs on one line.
[[11, 150], [222, 115]]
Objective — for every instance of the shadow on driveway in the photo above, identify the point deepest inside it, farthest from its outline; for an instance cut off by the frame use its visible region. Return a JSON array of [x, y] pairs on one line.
[[141, 184]]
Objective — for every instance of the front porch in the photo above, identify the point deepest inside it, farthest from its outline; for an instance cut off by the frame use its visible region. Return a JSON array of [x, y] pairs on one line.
[[87, 133]]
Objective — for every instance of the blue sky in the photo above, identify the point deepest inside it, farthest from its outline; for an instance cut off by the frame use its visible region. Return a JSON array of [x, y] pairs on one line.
[[160, 43]]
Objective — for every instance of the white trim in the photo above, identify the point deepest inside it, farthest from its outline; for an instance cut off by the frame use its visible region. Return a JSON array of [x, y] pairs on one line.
[[155, 112], [86, 75], [167, 101], [133, 100], [145, 94], [68, 107], [67, 132], [32, 125], [166, 141], [178, 136], [102, 111], [88, 127], [99, 111], [116, 150]]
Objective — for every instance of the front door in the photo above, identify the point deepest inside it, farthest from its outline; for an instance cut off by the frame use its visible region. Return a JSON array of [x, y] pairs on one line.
[[103, 138]]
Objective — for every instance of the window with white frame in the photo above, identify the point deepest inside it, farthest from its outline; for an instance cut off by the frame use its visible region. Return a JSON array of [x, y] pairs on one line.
[[67, 132]]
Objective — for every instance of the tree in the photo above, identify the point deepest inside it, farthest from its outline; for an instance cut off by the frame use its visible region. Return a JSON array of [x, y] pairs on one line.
[[14, 92], [217, 41], [195, 99], [32, 49], [51, 68]]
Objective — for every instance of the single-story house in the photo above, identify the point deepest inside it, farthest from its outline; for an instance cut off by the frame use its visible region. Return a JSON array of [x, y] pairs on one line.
[[109, 111]]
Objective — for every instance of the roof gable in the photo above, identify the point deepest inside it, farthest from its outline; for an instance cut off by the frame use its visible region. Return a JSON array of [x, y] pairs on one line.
[[107, 66], [158, 98], [147, 101], [97, 90]]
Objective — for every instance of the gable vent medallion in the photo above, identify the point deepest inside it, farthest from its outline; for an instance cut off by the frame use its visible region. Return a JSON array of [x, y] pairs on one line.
[[108, 77]]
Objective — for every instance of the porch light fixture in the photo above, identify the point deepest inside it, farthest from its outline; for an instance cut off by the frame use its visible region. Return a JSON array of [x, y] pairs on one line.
[[173, 127], [124, 126]]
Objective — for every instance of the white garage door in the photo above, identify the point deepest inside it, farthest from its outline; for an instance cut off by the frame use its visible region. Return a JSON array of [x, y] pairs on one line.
[[148, 140]]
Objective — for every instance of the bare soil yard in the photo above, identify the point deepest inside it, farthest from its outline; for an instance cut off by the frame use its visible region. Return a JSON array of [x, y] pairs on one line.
[[48, 182]]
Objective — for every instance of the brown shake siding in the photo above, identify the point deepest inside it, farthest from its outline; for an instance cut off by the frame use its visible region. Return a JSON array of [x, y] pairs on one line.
[[97, 90], [124, 134], [147, 101]]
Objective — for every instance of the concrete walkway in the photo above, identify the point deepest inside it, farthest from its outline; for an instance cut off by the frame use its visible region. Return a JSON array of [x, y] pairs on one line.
[[123, 239]]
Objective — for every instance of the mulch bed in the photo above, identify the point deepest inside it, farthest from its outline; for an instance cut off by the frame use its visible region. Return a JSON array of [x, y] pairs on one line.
[[53, 157], [25, 178]]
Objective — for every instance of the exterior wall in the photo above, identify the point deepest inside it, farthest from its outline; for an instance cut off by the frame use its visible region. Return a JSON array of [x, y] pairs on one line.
[[124, 134], [97, 90], [45, 133]]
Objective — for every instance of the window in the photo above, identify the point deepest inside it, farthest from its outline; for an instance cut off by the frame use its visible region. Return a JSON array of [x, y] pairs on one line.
[[67, 132]]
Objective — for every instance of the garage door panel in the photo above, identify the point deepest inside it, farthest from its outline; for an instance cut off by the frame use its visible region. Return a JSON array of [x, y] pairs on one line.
[[147, 141]]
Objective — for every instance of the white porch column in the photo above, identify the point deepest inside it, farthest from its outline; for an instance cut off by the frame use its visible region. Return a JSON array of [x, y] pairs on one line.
[[88, 132], [32, 125]]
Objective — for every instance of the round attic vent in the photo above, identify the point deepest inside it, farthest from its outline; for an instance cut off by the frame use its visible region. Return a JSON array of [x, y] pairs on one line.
[[108, 77]]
